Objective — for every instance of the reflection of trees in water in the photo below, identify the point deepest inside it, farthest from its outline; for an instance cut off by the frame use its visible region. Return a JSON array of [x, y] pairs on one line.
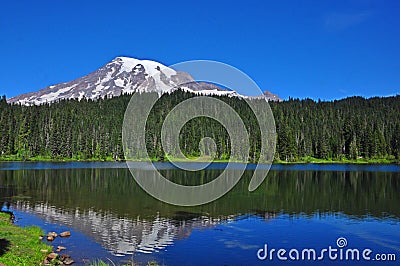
[[292, 192], [107, 205]]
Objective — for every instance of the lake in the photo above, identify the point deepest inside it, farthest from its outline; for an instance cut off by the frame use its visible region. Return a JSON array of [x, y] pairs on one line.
[[298, 207]]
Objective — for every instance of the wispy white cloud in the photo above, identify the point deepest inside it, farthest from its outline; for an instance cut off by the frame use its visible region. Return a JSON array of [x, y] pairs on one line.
[[341, 21]]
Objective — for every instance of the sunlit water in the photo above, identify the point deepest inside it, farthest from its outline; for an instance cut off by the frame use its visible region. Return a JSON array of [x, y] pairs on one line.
[[297, 206]]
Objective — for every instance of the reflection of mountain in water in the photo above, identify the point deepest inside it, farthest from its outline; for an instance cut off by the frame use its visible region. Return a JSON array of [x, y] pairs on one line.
[[121, 235], [107, 205]]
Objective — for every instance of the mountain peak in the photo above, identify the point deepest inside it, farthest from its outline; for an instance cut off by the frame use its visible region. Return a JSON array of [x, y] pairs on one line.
[[121, 75]]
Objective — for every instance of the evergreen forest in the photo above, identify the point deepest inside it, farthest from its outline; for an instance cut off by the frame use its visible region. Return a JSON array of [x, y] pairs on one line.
[[351, 129]]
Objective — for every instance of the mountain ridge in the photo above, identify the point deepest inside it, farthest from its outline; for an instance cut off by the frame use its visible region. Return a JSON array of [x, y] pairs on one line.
[[125, 75]]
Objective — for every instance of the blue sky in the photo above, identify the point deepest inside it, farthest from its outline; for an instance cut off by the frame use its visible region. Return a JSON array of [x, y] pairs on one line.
[[317, 49]]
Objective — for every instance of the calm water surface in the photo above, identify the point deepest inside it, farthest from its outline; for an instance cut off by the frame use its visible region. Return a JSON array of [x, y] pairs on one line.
[[297, 207]]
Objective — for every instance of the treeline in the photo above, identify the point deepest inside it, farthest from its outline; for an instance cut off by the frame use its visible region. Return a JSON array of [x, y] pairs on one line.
[[351, 128]]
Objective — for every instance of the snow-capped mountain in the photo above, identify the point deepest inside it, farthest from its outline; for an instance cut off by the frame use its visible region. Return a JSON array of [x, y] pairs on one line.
[[122, 75], [269, 96]]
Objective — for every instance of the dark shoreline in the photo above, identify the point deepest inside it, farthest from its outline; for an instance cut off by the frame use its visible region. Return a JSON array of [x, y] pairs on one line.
[[311, 161]]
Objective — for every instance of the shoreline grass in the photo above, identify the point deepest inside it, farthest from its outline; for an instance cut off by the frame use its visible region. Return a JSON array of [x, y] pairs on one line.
[[20, 245], [304, 160]]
